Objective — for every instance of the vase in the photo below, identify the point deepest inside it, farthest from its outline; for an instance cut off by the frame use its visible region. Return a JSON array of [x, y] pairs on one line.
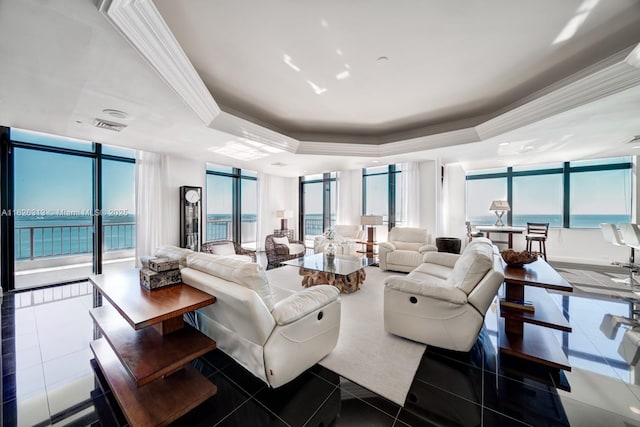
[[330, 250]]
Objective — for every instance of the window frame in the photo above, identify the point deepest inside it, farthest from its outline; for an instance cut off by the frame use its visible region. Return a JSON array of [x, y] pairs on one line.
[[566, 170]]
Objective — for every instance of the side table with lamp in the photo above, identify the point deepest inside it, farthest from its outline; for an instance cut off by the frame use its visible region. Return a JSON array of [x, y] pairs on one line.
[[370, 221]]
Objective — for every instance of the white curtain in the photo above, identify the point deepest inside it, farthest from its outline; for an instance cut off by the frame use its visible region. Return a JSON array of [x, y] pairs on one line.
[[349, 188], [410, 178], [265, 211], [151, 202]]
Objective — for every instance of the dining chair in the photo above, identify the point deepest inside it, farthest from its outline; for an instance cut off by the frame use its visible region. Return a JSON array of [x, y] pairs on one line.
[[537, 232]]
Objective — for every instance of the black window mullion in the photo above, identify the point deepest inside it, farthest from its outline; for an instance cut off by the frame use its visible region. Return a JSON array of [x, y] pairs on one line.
[[392, 197], [510, 195], [566, 196], [7, 205], [97, 210]]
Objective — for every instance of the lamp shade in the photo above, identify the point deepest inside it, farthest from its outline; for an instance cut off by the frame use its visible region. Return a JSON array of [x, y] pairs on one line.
[[285, 213], [371, 220], [500, 205]]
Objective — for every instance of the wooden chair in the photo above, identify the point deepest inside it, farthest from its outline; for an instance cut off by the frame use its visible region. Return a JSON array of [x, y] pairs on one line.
[[210, 248], [470, 233], [537, 232]]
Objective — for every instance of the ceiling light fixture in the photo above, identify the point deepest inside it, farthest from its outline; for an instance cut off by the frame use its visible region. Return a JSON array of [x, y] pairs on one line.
[[634, 140], [502, 144], [115, 113], [106, 124], [382, 59]]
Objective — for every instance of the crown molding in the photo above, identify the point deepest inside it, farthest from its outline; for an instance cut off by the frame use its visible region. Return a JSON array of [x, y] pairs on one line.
[[142, 25], [607, 77]]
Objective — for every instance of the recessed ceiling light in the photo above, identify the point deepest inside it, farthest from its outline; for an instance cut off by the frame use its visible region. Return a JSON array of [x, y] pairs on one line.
[[635, 147], [115, 113], [78, 121], [279, 164], [382, 59], [375, 161], [634, 409], [503, 143]]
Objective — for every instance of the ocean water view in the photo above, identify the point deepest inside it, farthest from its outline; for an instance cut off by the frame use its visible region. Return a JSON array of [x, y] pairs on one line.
[[555, 221], [57, 235]]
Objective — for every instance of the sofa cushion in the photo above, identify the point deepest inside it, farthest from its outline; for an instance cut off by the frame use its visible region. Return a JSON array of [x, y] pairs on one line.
[[223, 249], [174, 252], [437, 270], [247, 274], [408, 234], [473, 264], [400, 257], [408, 246]]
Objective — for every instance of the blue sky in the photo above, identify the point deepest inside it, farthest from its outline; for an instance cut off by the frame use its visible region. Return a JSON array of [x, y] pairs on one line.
[[51, 182]]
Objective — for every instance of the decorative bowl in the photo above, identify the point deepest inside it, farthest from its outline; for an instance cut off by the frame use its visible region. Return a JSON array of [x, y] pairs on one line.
[[518, 259]]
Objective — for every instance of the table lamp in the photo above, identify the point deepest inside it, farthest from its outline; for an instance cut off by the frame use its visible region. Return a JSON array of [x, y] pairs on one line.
[[283, 215], [499, 207], [371, 221]]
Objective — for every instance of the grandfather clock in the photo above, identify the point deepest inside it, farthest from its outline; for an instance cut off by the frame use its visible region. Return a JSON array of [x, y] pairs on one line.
[[190, 214]]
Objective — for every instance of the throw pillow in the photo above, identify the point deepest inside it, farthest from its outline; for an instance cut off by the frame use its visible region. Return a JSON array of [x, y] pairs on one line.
[[281, 240], [223, 249]]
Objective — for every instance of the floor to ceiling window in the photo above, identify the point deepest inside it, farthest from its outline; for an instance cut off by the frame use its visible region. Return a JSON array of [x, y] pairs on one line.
[[382, 193], [231, 205], [55, 188], [577, 194], [318, 204]]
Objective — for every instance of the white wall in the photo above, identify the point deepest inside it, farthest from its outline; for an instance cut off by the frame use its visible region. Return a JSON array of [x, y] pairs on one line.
[[181, 171], [429, 193]]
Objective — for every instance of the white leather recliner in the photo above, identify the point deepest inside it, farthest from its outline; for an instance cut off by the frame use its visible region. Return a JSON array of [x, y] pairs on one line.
[[404, 248], [443, 301], [345, 242], [274, 333]]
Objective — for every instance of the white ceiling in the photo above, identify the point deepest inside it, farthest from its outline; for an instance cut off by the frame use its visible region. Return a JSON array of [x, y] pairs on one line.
[[462, 77]]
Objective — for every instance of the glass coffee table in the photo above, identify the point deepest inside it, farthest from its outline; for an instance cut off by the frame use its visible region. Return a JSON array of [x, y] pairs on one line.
[[342, 271]]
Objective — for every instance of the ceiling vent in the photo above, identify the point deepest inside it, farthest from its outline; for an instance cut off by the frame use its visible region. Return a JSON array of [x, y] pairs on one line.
[[106, 124]]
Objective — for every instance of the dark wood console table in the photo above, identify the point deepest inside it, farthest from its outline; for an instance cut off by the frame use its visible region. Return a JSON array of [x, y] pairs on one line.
[[146, 347], [528, 334], [507, 229]]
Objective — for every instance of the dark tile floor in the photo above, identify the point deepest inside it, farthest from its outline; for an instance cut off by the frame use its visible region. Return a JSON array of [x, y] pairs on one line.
[[48, 377]]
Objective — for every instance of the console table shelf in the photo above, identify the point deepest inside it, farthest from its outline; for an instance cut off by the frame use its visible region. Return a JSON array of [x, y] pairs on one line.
[[526, 334], [145, 354], [146, 347], [157, 403]]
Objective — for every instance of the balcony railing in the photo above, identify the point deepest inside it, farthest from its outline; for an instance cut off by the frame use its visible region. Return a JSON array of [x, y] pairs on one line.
[[57, 240]]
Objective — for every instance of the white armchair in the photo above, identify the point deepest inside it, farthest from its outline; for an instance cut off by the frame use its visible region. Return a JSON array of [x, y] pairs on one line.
[[345, 243], [444, 300], [404, 248]]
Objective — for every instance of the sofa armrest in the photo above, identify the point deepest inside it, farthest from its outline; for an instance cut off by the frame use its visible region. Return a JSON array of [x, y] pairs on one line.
[[428, 248], [387, 246], [441, 258], [298, 305], [431, 290]]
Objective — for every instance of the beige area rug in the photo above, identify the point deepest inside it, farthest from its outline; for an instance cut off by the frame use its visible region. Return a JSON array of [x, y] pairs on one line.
[[365, 354]]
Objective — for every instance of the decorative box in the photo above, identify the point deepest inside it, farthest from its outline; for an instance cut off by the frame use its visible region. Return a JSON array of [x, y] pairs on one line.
[[152, 279], [163, 264]]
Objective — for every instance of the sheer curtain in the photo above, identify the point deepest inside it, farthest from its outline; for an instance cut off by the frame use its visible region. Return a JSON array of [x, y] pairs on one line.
[[151, 202], [349, 188], [410, 178], [265, 211]]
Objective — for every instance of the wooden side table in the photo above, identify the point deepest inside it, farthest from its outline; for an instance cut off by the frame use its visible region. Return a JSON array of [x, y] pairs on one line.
[[369, 249], [146, 347]]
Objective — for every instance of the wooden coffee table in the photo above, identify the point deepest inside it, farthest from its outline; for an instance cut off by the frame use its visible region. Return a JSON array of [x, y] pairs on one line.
[[146, 347], [342, 271]]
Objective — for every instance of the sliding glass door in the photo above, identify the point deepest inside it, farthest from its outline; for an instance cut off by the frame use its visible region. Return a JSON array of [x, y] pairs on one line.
[[53, 229]]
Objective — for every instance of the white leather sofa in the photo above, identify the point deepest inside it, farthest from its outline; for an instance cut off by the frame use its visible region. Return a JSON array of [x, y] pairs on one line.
[[345, 241], [274, 333], [444, 300], [404, 248]]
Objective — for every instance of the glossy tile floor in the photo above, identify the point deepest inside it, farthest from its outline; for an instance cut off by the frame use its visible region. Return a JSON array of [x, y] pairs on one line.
[[48, 378]]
